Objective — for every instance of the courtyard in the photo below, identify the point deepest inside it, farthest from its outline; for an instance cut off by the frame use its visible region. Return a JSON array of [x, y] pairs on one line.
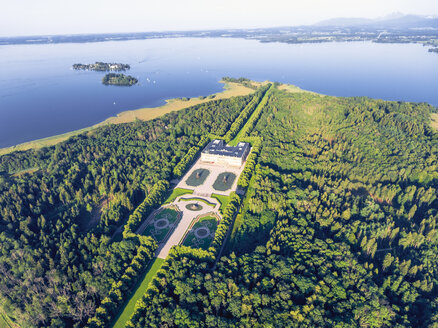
[[192, 215], [209, 178]]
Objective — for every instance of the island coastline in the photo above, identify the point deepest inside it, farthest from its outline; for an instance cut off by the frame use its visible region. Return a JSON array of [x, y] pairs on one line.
[[102, 67]]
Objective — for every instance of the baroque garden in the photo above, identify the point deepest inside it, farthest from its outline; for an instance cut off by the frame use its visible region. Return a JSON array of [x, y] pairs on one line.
[[281, 208]]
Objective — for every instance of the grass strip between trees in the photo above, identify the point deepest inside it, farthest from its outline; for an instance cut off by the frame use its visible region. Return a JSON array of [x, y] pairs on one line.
[[128, 309], [223, 200], [4, 322], [252, 120], [241, 120]]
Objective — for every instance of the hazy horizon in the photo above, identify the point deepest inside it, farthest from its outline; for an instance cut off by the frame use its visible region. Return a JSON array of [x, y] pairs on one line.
[[59, 17]]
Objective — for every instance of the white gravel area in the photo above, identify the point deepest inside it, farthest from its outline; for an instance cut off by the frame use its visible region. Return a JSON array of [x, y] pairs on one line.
[[184, 223], [203, 191], [206, 189]]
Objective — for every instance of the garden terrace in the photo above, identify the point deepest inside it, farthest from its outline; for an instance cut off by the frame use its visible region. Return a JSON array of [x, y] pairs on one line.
[[201, 232], [161, 224]]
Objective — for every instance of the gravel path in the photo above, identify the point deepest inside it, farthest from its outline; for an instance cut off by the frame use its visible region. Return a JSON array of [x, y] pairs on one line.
[[206, 189], [203, 191], [187, 217]]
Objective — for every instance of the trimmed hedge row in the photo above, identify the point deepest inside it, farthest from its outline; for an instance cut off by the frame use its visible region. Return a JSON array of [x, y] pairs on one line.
[[229, 212], [224, 224], [178, 252], [245, 114], [197, 254], [121, 290], [189, 157], [155, 287], [250, 124], [154, 198], [250, 165]]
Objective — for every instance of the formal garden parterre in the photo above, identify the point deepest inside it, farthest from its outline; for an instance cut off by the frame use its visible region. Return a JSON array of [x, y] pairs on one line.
[[163, 223], [197, 177], [201, 232], [224, 181]]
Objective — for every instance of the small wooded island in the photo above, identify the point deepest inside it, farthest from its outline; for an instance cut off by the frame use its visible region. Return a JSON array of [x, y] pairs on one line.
[[119, 79], [102, 67], [433, 50]]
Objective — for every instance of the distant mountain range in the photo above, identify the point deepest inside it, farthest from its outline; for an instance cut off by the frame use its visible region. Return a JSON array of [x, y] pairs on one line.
[[398, 21], [396, 28]]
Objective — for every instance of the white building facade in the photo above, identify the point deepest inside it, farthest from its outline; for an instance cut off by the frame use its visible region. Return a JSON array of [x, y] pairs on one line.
[[218, 152]]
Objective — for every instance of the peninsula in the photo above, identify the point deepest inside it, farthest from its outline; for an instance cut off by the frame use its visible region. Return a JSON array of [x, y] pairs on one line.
[[102, 67], [327, 217]]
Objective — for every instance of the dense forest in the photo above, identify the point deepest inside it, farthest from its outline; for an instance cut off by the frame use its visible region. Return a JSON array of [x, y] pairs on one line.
[[61, 208], [337, 227], [119, 79]]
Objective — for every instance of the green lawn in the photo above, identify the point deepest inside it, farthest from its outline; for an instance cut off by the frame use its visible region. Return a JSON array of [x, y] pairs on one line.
[[223, 200], [253, 116], [128, 308], [210, 220], [191, 240], [206, 202], [160, 234], [224, 181], [176, 193], [197, 177], [4, 322]]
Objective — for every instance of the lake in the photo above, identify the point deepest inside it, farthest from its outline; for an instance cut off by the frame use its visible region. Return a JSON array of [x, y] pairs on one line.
[[41, 96]]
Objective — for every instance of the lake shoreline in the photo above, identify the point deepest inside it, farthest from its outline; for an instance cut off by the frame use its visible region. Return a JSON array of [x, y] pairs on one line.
[[51, 102], [231, 89]]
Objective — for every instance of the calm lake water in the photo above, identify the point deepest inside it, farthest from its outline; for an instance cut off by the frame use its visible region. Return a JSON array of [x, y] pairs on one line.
[[40, 95]]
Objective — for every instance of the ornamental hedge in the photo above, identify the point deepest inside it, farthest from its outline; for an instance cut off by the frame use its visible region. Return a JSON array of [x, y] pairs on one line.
[[250, 165], [121, 289], [153, 199], [246, 113], [189, 157]]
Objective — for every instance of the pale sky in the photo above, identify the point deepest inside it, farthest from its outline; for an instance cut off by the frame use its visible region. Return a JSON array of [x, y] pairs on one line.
[[45, 17]]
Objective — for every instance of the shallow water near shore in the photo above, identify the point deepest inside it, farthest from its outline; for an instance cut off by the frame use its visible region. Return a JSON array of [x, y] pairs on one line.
[[41, 96]]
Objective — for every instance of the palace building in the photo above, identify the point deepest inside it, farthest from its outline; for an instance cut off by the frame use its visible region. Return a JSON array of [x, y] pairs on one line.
[[218, 152]]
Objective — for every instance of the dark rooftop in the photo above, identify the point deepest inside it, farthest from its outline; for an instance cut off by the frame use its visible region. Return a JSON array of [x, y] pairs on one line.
[[218, 147]]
